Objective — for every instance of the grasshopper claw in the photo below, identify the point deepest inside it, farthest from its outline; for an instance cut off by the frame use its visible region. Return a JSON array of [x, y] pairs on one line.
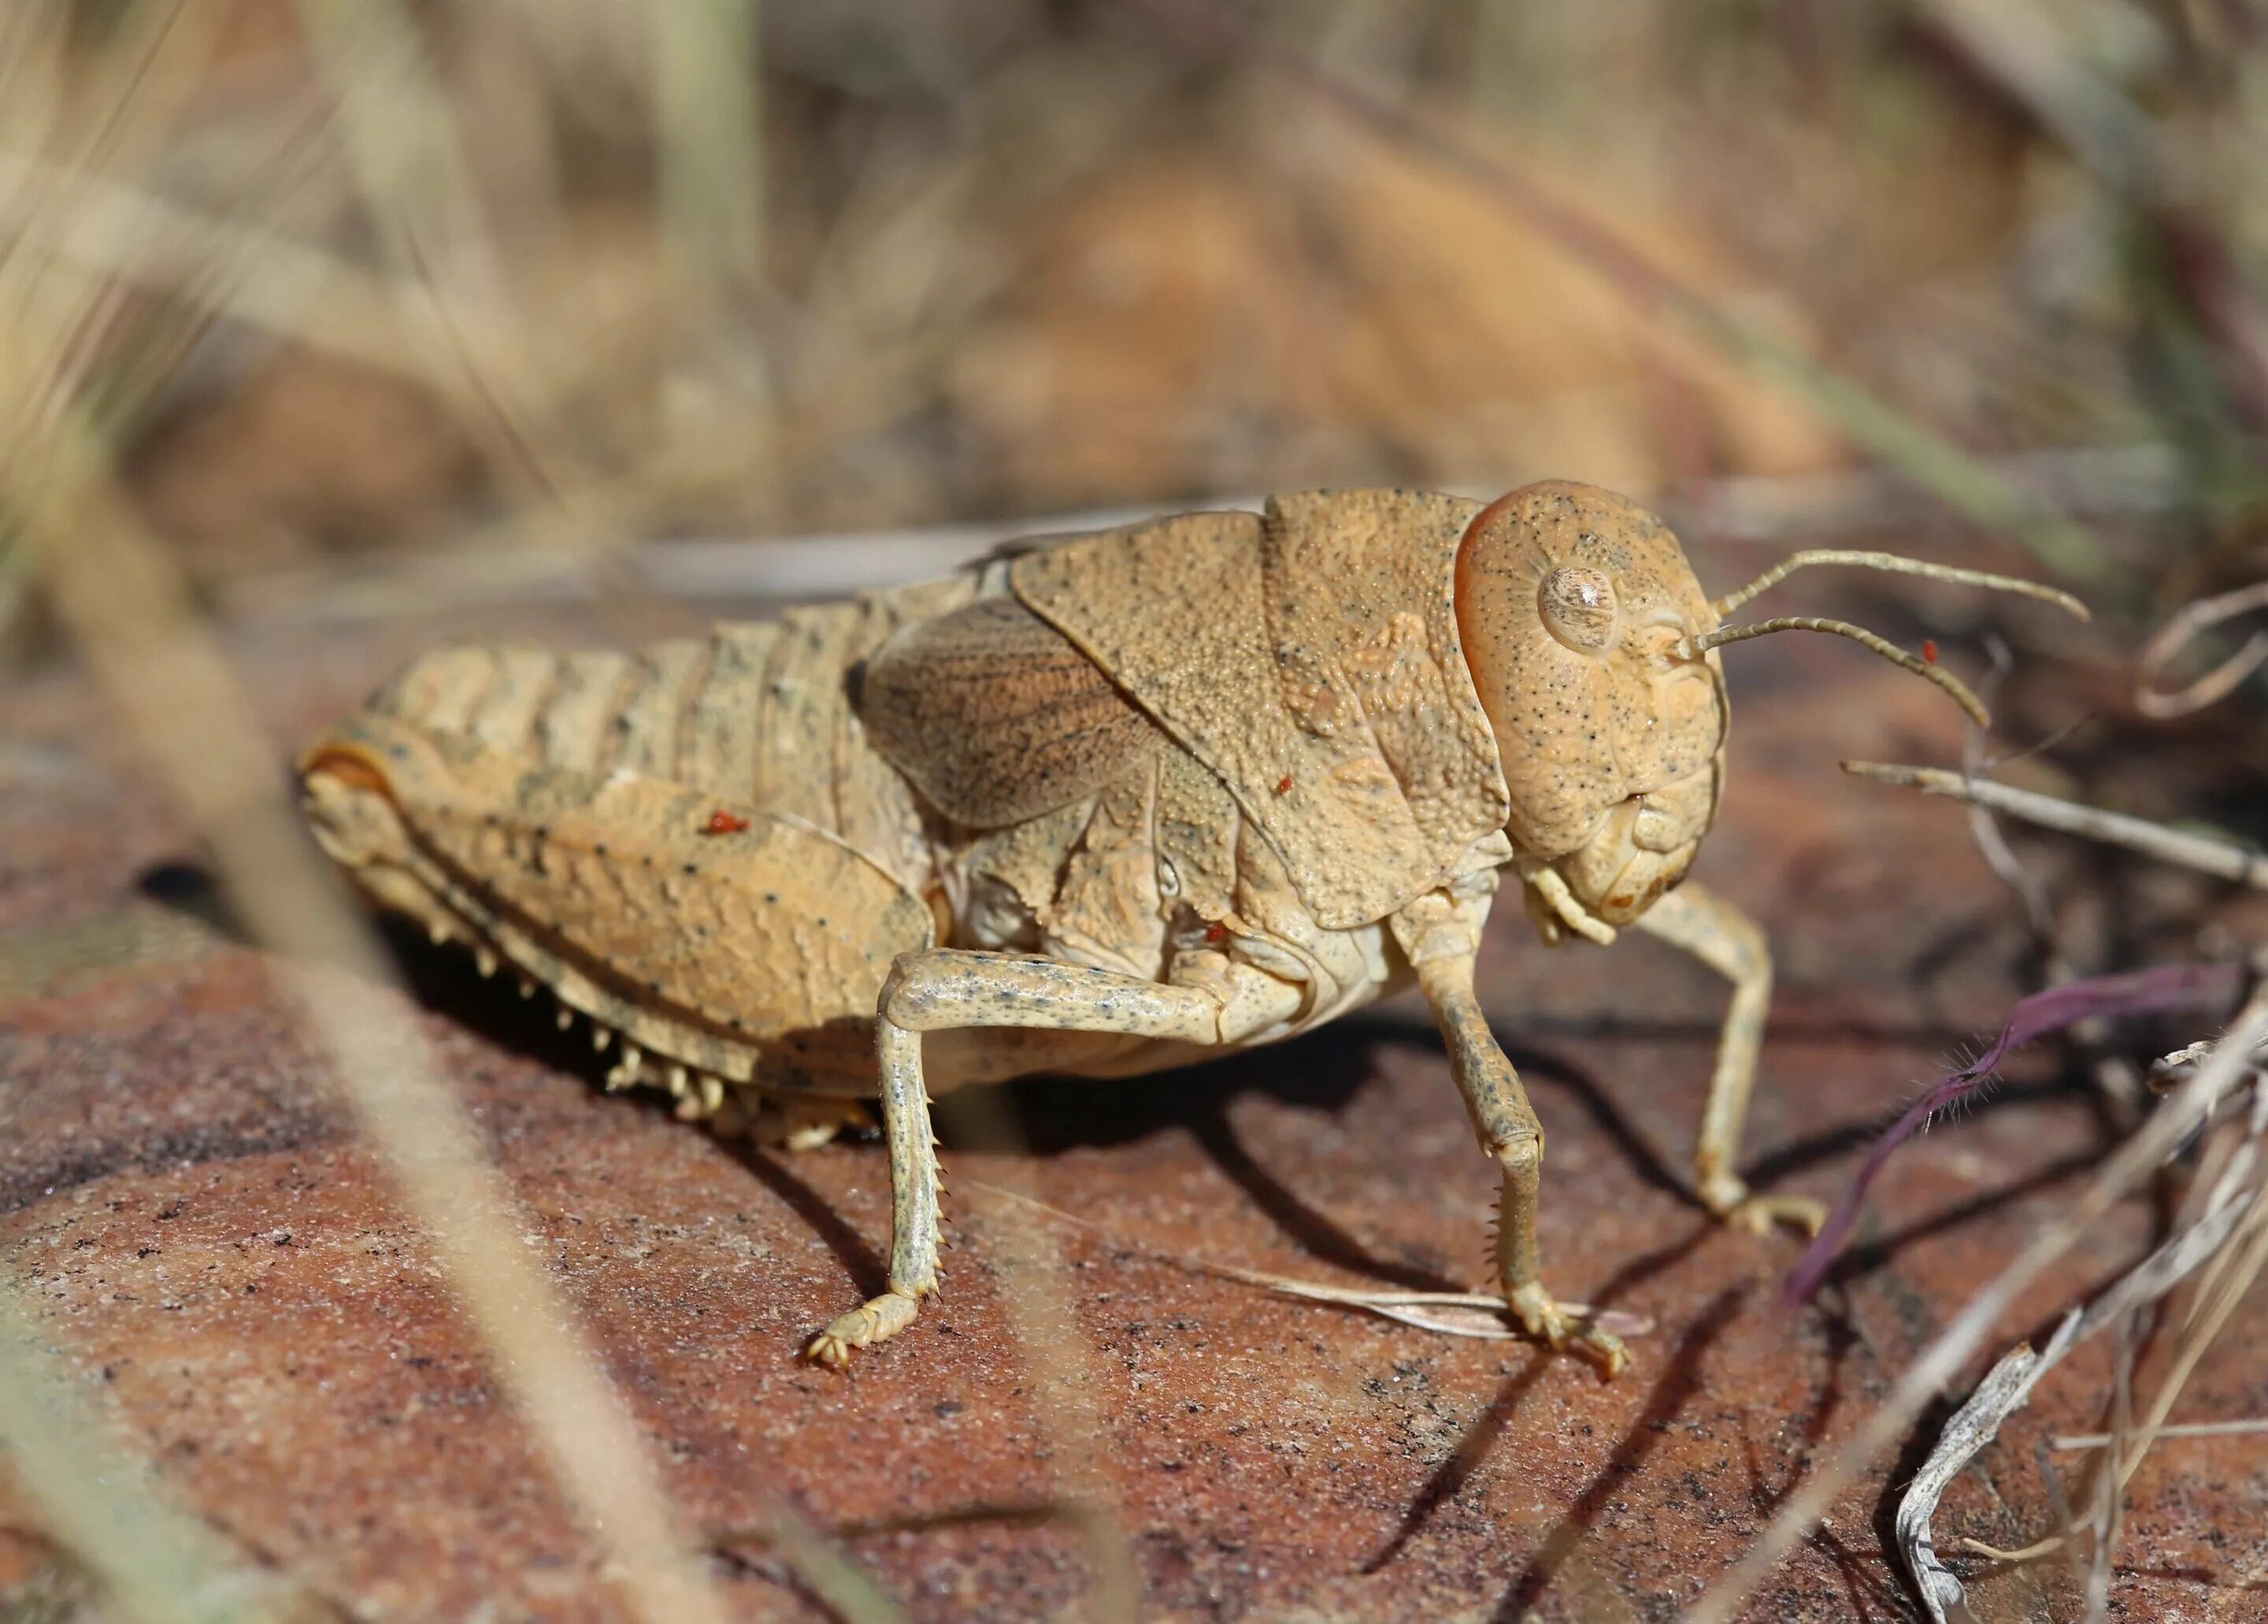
[[1732, 1203], [876, 1320], [1760, 1212], [1549, 1324]]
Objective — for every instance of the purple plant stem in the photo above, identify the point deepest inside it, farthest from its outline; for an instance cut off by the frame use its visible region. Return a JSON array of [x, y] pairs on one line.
[[2164, 990]]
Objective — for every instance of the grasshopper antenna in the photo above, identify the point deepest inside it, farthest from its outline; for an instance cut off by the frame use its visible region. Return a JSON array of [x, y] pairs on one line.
[[1694, 648], [1896, 565]]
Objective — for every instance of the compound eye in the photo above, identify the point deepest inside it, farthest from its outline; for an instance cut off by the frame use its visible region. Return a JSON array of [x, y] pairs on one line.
[[1578, 604]]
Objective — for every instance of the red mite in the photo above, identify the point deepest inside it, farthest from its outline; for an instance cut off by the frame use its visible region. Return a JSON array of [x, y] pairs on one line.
[[1216, 932], [723, 823], [1284, 784], [1929, 651]]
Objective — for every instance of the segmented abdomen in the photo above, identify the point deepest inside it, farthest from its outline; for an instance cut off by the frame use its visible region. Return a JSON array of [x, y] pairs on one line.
[[757, 713]]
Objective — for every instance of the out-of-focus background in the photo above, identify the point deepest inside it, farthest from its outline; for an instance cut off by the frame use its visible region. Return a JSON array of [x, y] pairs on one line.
[[331, 327], [467, 281]]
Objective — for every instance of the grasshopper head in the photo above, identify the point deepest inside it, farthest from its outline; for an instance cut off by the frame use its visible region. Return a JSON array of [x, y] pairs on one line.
[[1593, 652], [1572, 605]]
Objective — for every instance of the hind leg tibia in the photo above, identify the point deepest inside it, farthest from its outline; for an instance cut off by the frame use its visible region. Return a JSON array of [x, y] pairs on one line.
[[942, 989]]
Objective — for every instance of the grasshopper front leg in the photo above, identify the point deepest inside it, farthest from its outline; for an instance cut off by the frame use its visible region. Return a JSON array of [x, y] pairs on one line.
[[1510, 1134], [1698, 921], [945, 987]]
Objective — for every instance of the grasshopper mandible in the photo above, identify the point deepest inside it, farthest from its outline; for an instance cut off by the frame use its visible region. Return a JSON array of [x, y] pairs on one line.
[[1099, 806]]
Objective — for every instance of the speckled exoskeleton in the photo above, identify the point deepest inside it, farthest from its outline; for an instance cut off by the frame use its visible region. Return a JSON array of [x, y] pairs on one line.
[[1099, 806]]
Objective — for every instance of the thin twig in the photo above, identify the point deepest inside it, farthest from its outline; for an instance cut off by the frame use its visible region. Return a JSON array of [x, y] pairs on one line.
[[2140, 1157], [2114, 1075], [2251, 1427], [1397, 1305], [1390, 1305], [2220, 857], [2177, 633], [2106, 1523], [1984, 830]]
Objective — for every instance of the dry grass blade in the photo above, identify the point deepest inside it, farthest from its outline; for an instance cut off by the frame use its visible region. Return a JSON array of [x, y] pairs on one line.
[[1896, 564], [120, 595], [157, 1564], [114, 230], [15, 586], [1387, 1304], [422, 198], [2142, 1153], [1492, 1323], [2252, 1427], [710, 180], [113, 589], [2219, 858], [1694, 648], [1973, 1425], [1040, 1298], [2221, 1234], [2233, 1272], [1869, 421], [64, 346], [711, 161], [2106, 1523]]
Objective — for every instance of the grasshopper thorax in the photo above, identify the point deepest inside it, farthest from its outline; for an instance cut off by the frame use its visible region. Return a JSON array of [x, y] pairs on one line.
[[1571, 603]]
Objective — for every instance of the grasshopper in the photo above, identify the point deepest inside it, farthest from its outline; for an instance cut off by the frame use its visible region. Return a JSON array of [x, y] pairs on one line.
[[1098, 806]]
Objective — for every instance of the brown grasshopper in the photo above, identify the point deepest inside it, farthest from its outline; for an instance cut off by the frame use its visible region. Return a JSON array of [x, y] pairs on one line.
[[1101, 807]]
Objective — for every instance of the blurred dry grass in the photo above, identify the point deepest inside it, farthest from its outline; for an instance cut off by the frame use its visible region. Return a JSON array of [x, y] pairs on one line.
[[520, 274], [313, 282]]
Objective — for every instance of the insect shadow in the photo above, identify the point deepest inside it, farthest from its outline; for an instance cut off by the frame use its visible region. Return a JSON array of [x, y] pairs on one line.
[[190, 890], [1680, 1379], [1321, 1072]]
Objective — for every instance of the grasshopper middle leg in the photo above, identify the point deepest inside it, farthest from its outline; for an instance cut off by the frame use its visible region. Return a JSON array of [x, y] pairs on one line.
[[1705, 925], [943, 987], [1509, 1131]]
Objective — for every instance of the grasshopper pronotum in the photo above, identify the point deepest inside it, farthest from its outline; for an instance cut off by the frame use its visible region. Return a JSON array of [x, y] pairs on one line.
[[1100, 807]]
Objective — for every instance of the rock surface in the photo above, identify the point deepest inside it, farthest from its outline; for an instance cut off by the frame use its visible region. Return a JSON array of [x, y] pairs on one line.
[[227, 1272]]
